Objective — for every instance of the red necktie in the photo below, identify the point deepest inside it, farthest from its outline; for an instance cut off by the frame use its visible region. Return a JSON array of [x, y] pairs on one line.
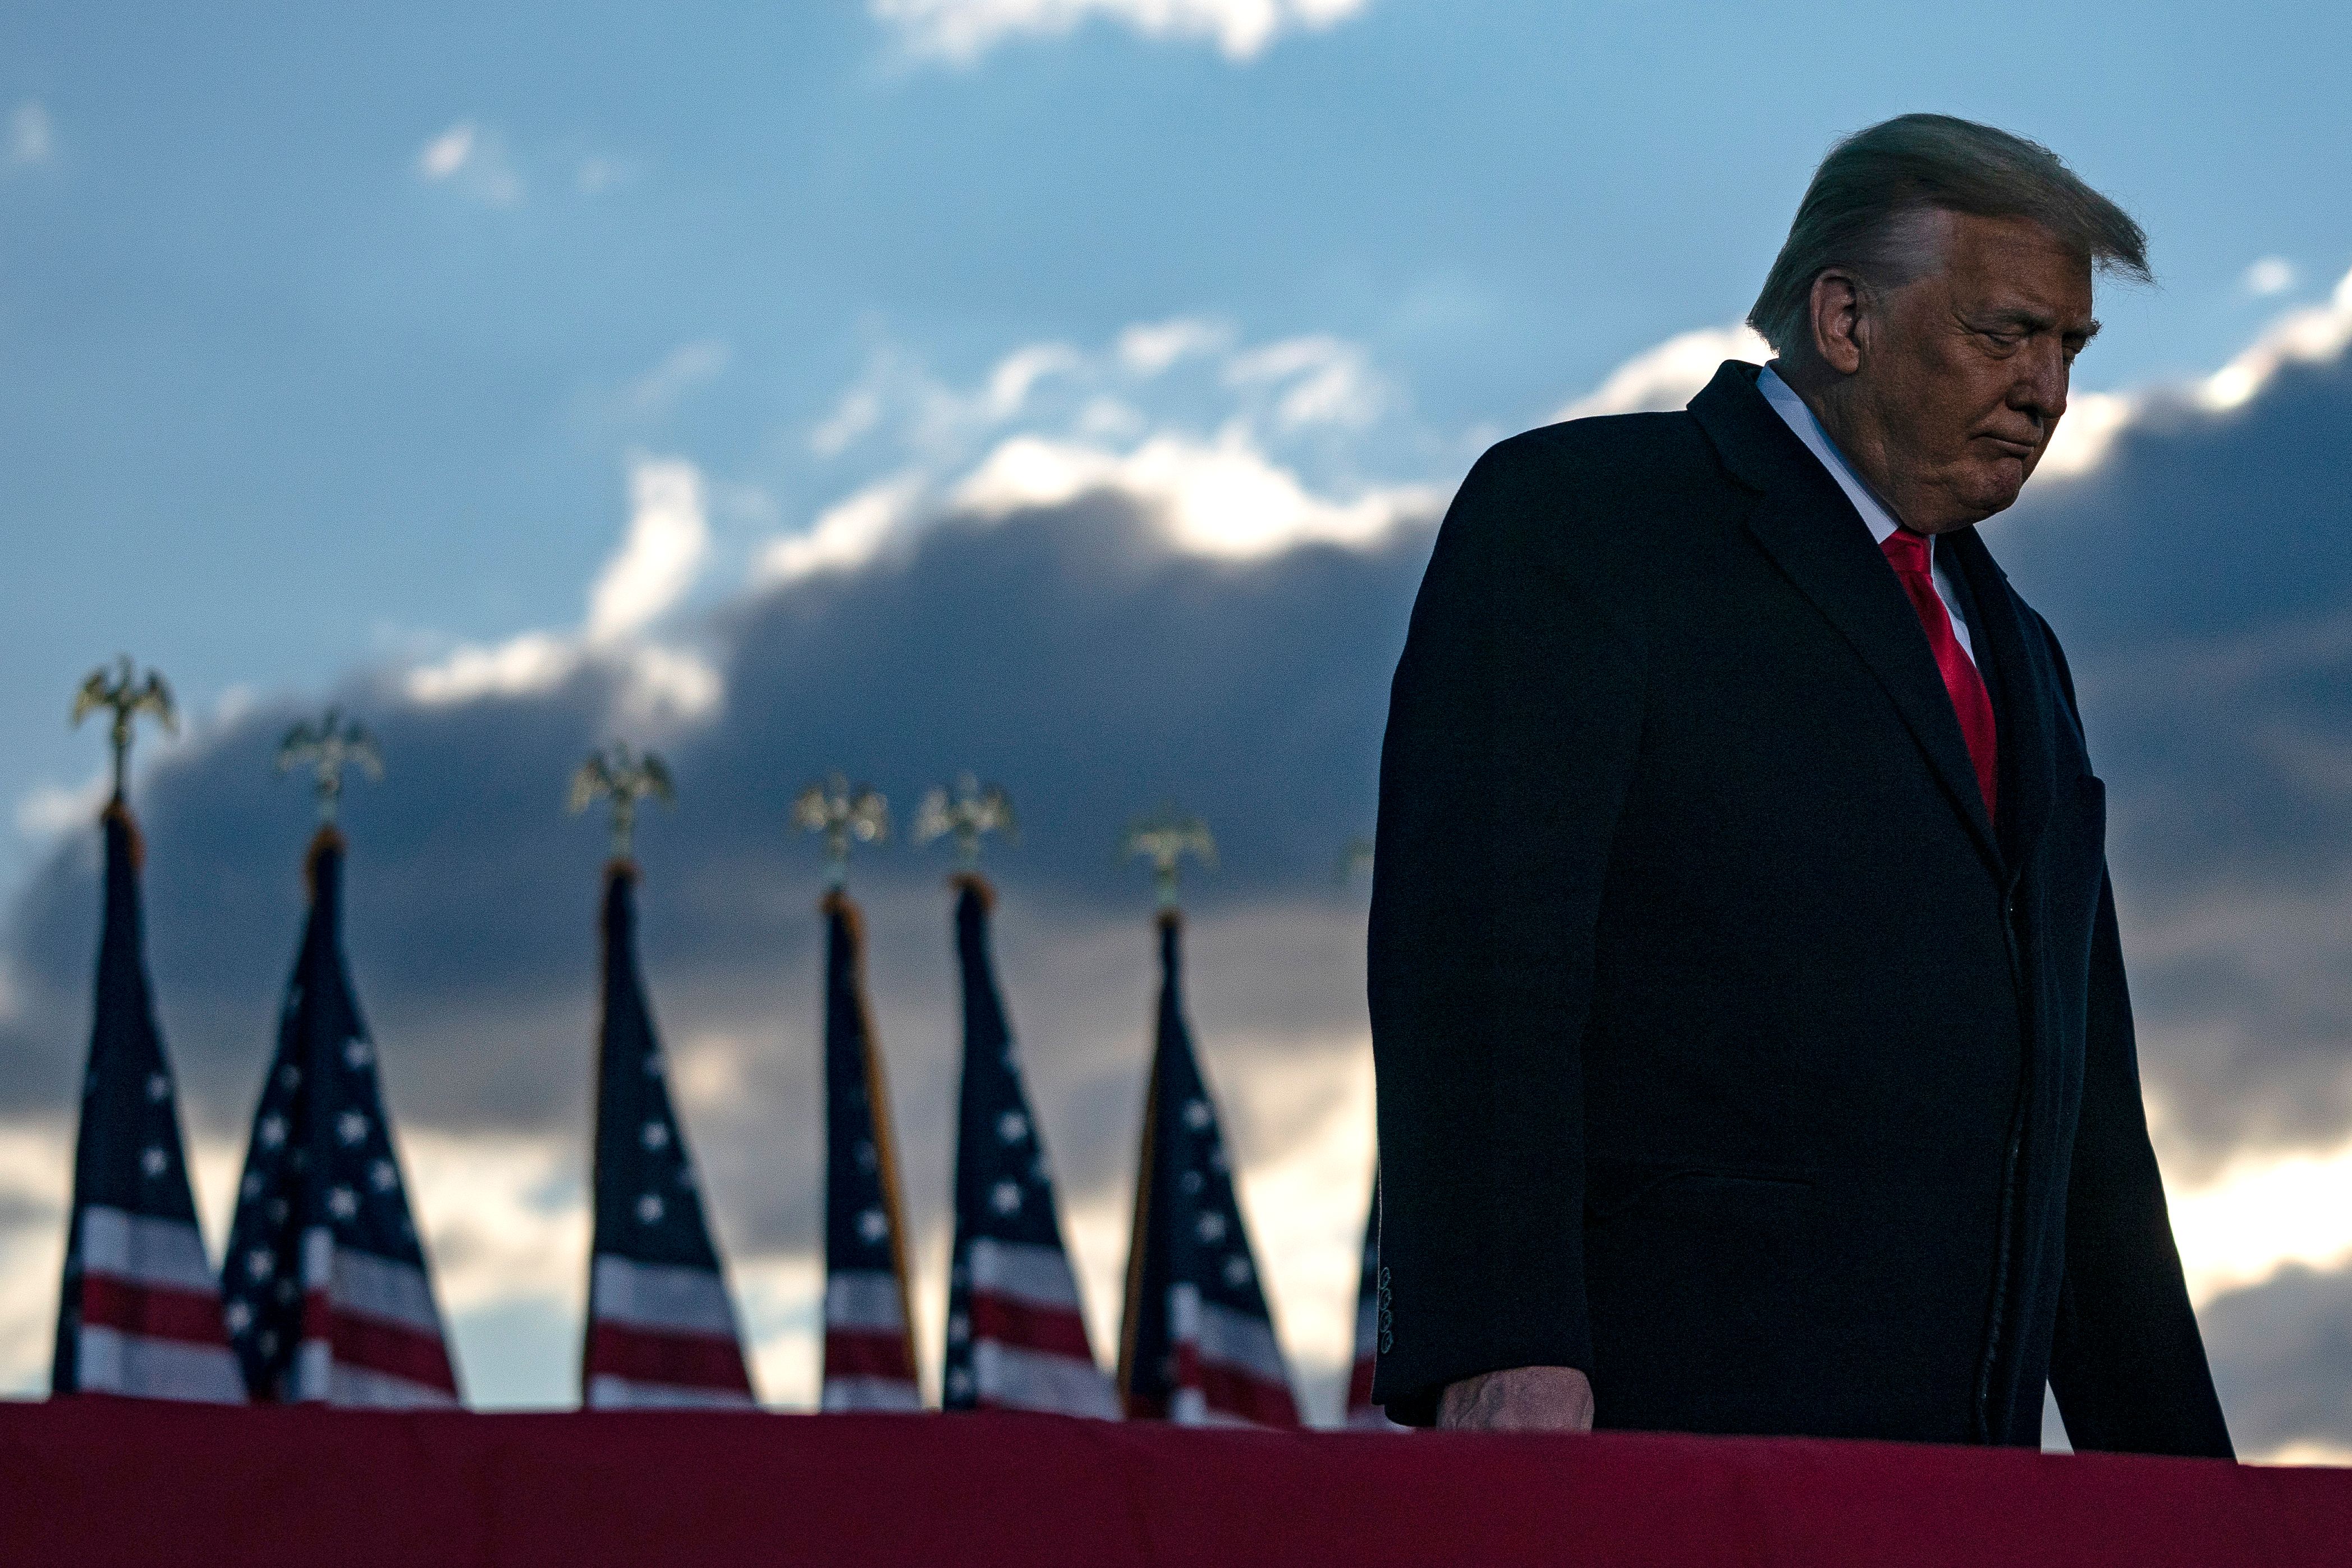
[[1907, 553]]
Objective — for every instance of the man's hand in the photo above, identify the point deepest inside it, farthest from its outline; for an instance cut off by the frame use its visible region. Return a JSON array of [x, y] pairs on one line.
[[1519, 1399]]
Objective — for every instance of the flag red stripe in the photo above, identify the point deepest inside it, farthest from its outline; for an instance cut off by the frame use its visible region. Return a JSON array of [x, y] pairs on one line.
[[1054, 1331], [849, 1353], [1230, 1391], [372, 1344], [672, 1359], [151, 1311]]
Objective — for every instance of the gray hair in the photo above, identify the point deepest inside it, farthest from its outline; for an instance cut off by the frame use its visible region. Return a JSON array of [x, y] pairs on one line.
[[1863, 211]]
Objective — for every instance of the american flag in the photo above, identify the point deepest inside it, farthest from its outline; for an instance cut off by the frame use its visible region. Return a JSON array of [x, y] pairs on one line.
[[869, 1347], [138, 1312], [1198, 1345], [328, 1297], [661, 1329], [1016, 1335], [1361, 1412]]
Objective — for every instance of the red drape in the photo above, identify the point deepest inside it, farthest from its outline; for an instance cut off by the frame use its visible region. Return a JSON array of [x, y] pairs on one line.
[[96, 1481]]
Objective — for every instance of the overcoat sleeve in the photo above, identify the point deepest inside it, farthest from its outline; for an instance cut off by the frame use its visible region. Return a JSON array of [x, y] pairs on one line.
[[1513, 726], [2127, 1362]]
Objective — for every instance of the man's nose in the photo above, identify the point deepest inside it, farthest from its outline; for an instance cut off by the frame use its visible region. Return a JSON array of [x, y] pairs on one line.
[[2041, 385]]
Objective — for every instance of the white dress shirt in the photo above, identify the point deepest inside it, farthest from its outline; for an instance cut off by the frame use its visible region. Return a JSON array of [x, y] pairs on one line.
[[1881, 522]]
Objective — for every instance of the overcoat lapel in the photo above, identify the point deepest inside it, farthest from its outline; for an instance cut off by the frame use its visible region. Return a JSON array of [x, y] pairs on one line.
[[1807, 525], [2029, 716]]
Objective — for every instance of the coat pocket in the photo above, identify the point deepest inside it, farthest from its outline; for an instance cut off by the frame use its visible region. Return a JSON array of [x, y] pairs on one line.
[[1615, 1187]]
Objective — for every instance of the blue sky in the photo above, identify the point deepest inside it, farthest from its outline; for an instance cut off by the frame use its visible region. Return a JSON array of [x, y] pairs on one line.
[[926, 383], [277, 402]]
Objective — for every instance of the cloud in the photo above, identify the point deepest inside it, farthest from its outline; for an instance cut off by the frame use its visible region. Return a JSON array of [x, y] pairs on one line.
[[661, 557], [473, 162], [31, 138], [1103, 621], [961, 31], [1230, 476], [595, 175], [1669, 376], [2281, 1355], [2195, 573], [937, 422], [1218, 498], [849, 534], [36, 1172], [644, 682], [1148, 348], [53, 809], [2263, 1212], [1318, 380], [1073, 651], [2271, 275], [1006, 392], [447, 154], [859, 410], [682, 370], [2310, 336]]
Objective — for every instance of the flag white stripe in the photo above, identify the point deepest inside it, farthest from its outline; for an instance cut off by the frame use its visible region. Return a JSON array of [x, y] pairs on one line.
[[662, 1298], [1035, 1276], [1037, 1380], [871, 1394], [1190, 1408], [358, 1387], [1226, 1338], [368, 1286], [111, 1361], [864, 1301], [165, 1253], [313, 1360], [608, 1393]]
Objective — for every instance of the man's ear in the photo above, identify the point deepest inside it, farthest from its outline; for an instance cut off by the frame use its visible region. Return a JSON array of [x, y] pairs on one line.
[[1836, 318]]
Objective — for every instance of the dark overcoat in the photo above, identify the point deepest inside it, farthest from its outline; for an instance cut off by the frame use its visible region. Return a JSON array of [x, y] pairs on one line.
[[1728, 1050]]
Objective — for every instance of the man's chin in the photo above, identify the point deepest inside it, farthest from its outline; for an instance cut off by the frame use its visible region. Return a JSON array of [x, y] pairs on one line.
[[1996, 488]]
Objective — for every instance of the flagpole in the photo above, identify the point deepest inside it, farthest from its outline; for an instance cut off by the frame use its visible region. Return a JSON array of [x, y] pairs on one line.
[[886, 1140], [1130, 1312]]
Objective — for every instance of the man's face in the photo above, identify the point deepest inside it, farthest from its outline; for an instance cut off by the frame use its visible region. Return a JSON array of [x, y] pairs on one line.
[[1964, 370]]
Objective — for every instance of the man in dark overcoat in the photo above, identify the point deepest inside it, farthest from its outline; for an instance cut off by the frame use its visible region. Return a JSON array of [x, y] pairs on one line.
[[1753, 1043]]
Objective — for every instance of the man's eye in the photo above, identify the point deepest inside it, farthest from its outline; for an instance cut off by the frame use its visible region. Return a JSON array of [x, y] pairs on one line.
[[2001, 342]]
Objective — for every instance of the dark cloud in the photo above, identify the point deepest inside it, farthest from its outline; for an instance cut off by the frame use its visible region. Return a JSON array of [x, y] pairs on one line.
[[2281, 1355], [1069, 654], [2201, 579]]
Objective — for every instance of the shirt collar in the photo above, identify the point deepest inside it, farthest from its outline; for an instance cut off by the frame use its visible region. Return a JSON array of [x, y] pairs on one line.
[[1800, 419]]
